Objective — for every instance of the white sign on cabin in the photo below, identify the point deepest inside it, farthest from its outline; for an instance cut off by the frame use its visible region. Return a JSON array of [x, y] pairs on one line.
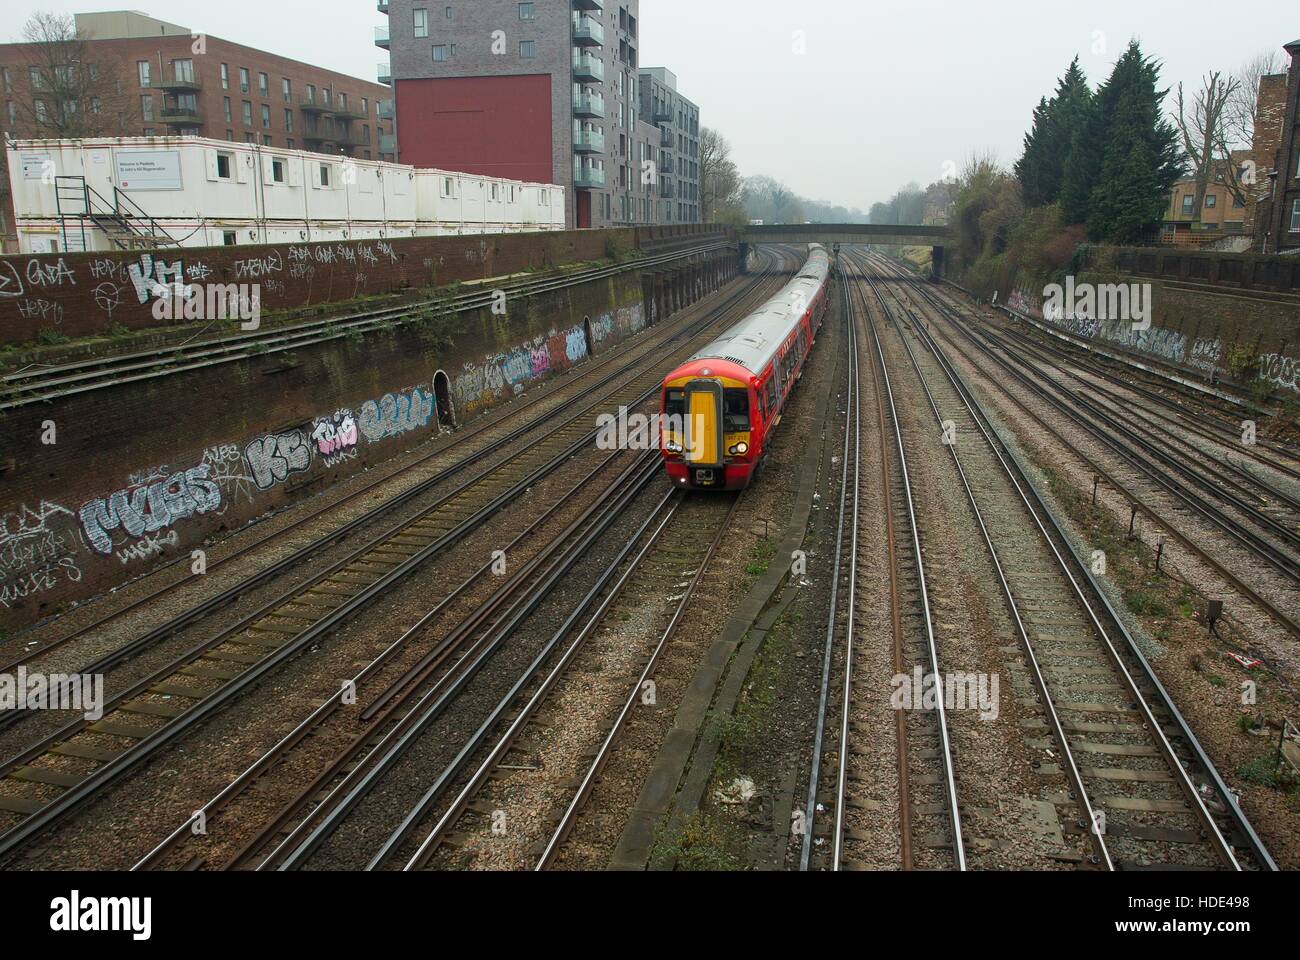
[[149, 169]]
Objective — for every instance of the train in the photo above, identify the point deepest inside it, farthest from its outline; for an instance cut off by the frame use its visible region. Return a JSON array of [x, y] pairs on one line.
[[721, 408]]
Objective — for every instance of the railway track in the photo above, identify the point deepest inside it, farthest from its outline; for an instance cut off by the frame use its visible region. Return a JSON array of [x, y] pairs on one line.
[[66, 769], [1167, 507], [679, 541], [40, 384], [1145, 793], [929, 813]]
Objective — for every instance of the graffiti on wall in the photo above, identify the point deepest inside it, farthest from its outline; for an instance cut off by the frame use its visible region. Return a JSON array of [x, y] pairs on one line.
[[274, 458], [395, 414], [147, 507], [37, 551], [1281, 371], [335, 437]]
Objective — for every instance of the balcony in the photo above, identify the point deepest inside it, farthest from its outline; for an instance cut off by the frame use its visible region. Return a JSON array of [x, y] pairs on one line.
[[382, 6], [320, 108], [589, 5], [667, 138], [387, 143], [588, 178], [588, 68], [589, 141], [590, 105], [587, 32], [350, 113], [384, 74], [384, 109], [381, 37], [662, 113], [666, 190], [181, 116], [187, 81]]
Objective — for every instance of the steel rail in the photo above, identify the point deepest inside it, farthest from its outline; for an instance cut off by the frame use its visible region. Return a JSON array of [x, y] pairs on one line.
[[940, 708], [1222, 848]]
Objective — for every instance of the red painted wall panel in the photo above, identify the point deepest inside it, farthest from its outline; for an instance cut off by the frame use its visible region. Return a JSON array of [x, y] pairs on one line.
[[492, 126]]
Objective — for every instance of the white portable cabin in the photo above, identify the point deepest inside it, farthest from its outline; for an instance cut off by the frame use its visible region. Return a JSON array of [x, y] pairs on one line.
[[202, 192]]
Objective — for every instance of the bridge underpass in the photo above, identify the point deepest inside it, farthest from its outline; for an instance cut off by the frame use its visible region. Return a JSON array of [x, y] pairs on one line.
[[938, 238]]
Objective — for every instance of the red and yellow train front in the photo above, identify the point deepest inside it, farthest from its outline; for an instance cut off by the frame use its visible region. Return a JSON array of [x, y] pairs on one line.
[[710, 437]]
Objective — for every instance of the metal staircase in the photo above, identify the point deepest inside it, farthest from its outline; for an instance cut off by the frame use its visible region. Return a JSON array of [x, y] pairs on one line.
[[81, 208]]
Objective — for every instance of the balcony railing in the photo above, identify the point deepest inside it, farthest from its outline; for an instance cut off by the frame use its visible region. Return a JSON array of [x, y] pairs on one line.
[[589, 105], [589, 5], [667, 138], [312, 105], [666, 190], [588, 178], [381, 37], [587, 32], [384, 109], [181, 116], [387, 143], [589, 141], [384, 73], [381, 6], [185, 80], [588, 68], [350, 113]]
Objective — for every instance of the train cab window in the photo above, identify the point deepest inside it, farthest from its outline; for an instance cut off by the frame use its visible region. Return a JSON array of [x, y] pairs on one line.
[[736, 410], [675, 403]]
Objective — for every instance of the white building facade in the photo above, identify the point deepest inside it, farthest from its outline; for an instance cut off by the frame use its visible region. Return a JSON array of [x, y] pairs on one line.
[[106, 194]]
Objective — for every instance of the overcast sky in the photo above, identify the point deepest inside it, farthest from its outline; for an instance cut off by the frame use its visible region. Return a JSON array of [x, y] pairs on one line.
[[886, 91]]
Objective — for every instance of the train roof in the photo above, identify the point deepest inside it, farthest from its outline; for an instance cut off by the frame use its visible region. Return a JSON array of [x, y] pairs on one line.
[[753, 342]]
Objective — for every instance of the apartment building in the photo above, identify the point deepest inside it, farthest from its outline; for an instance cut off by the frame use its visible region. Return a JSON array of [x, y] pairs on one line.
[[678, 123], [1225, 211], [176, 82], [545, 91]]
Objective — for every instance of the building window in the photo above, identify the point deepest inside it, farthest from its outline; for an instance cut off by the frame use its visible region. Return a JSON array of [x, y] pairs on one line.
[[439, 53], [148, 131], [263, 85], [324, 174], [230, 135], [289, 143], [225, 108], [9, 80], [527, 11], [266, 139], [1295, 217], [448, 187], [448, 13], [288, 120], [13, 113], [225, 76], [286, 89], [1211, 201], [142, 66], [250, 138], [421, 23], [1188, 203], [365, 132], [248, 114], [183, 70], [228, 237], [528, 49], [224, 161], [243, 79], [365, 106], [343, 102], [266, 116], [146, 108], [311, 93]]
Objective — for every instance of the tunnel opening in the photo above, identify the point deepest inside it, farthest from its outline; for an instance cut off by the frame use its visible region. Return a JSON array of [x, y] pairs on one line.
[[442, 399], [588, 336]]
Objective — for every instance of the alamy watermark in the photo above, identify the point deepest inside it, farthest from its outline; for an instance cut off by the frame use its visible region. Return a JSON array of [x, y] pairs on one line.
[[1126, 302], [209, 301], [27, 690], [960, 691], [675, 433]]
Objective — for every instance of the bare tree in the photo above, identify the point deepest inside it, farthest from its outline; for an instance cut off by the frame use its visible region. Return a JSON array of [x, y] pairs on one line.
[[71, 94], [1202, 127], [720, 183], [1242, 109]]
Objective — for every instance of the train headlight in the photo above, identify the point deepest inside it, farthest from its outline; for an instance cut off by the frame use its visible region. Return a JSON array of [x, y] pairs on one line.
[[740, 449], [673, 447]]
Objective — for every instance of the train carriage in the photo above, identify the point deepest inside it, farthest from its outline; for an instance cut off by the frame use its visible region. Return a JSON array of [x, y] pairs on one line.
[[721, 408]]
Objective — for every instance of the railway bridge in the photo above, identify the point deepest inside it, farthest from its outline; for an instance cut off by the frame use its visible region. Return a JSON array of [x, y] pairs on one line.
[[832, 234]]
